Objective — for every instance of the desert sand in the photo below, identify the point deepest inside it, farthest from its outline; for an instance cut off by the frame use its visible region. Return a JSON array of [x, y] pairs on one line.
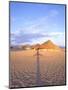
[[23, 68]]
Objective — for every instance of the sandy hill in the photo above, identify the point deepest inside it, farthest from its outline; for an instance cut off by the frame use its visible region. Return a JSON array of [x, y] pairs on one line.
[[46, 45], [35, 46], [49, 45]]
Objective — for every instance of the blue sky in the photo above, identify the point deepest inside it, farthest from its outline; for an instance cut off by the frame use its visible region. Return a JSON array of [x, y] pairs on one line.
[[32, 23]]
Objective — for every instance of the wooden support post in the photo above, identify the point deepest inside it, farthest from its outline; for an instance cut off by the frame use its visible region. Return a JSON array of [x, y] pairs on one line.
[[38, 68]]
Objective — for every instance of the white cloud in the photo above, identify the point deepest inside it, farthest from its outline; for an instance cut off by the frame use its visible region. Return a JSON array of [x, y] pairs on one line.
[[37, 25]]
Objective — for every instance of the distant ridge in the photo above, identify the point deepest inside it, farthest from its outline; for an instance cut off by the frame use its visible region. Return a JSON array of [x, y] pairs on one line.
[[49, 45], [46, 45]]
